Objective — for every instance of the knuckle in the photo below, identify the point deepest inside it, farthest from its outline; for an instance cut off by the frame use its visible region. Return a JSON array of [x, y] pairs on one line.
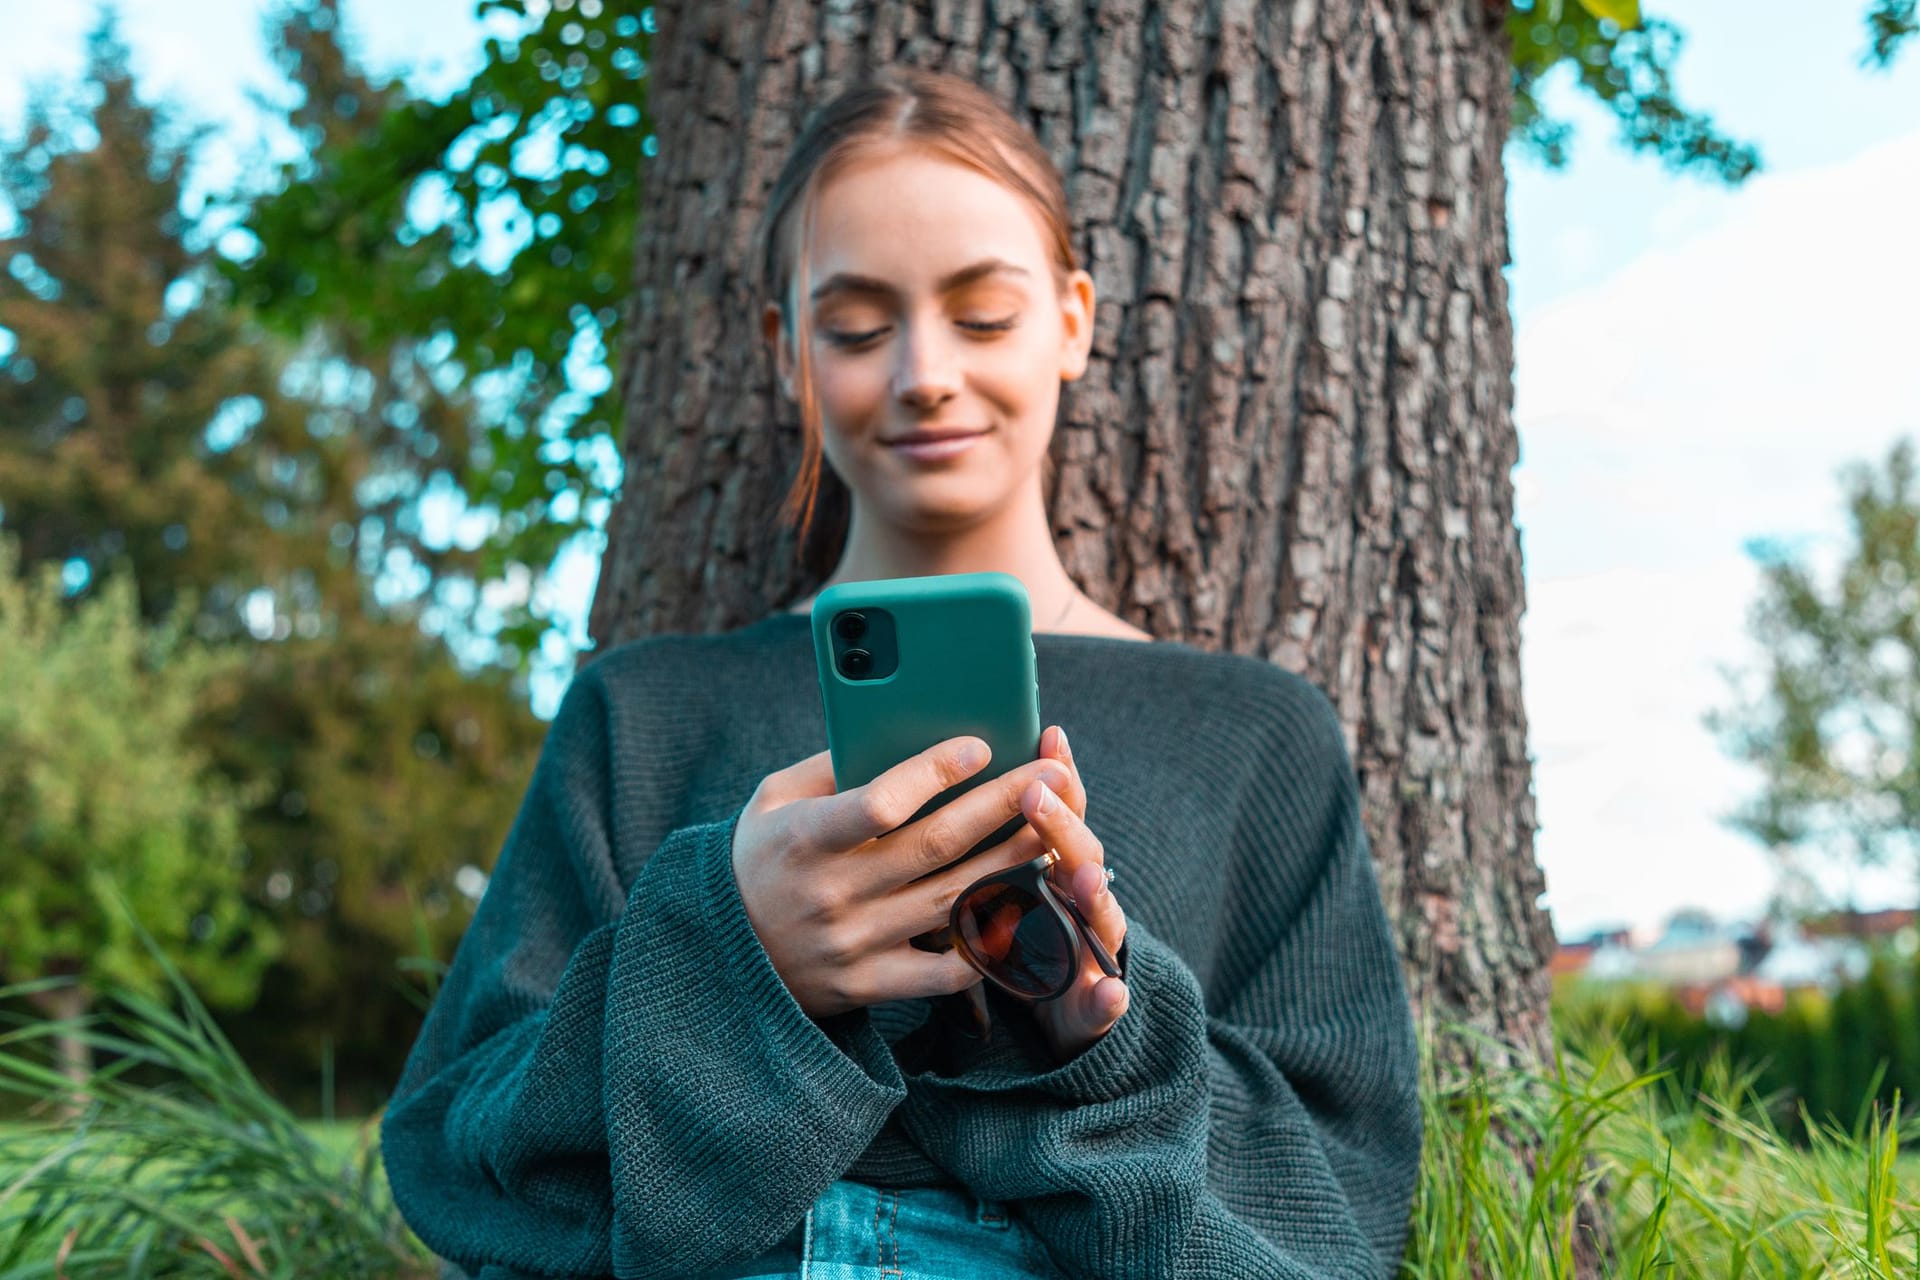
[[762, 796], [959, 976], [945, 893], [843, 989], [839, 948], [935, 842], [802, 838], [877, 808], [825, 900]]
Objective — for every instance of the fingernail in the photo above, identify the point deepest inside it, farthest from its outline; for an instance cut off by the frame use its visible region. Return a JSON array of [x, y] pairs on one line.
[[1065, 750], [1047, 799]]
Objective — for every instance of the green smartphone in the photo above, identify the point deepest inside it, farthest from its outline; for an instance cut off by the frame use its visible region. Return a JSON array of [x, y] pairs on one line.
[[905, 663]]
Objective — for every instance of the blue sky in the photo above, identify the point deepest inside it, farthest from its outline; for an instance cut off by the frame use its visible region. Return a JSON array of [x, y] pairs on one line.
[[1693, 365]]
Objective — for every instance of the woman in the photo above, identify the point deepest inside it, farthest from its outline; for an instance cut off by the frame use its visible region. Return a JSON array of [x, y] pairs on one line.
[[686, 1034]]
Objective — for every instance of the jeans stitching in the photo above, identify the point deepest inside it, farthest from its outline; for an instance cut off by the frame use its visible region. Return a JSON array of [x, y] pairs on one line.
[[880, 1241]]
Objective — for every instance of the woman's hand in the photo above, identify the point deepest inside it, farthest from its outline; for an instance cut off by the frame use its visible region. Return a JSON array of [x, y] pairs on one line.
[[835, 885], [1075, 1020]]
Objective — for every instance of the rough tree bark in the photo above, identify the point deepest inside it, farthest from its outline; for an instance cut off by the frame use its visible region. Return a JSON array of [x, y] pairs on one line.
[[1296, 435]]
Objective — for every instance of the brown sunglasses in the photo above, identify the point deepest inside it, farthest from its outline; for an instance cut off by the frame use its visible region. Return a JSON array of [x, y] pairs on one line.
[[1023, 935]]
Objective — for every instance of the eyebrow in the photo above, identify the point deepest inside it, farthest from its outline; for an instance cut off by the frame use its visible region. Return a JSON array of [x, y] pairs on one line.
[[847, 282]]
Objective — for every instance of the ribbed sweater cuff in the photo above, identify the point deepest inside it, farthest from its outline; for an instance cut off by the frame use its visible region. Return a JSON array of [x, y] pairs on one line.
[[712, 1065], [720, 984], [846, 1050], [1163, 1030]]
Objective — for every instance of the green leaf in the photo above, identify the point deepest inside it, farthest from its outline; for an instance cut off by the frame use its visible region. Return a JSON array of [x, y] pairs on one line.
[[1624, 12]]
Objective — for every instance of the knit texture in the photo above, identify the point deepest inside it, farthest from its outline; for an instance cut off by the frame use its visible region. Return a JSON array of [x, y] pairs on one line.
[[614, 1080]]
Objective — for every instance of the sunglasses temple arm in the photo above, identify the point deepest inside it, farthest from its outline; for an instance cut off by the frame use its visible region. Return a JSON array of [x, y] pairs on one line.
[[1108, 964]]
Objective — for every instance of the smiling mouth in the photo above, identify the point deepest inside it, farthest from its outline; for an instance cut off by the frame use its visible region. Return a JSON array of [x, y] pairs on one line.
[[934, 449], [935, 437]]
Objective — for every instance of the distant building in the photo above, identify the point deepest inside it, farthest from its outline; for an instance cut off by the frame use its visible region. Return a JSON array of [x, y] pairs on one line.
[[1726, 1003], [1721, 972], [1865, 925], [1693, 950], [1575, 956], [1798, 960]]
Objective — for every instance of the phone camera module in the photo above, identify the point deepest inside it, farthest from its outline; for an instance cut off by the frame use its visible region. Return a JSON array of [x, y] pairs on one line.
[[856, 662], [851, 626]]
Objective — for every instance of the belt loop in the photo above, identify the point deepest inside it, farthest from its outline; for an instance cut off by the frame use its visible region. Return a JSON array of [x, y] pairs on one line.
[[806, 1244]]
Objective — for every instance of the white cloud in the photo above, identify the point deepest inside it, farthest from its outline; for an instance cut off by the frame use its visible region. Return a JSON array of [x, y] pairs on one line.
[[1706, 394]]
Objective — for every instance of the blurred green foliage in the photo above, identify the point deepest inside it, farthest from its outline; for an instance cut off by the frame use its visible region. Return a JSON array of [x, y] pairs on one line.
[[497, 229], [1625, 61], [101, 787], [174, 1159], [1822, 1058], [149, 430], [1889, 24], [1829, 718]]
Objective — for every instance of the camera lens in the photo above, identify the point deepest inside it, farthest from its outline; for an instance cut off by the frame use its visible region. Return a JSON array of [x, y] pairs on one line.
[[856, 662], [851, 625]]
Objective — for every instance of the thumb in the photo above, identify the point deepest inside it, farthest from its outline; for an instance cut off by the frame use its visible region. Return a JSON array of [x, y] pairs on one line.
[[801, 780], [807, 779]]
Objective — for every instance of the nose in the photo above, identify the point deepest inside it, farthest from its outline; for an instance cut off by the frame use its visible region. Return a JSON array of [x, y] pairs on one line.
[[927, 371]]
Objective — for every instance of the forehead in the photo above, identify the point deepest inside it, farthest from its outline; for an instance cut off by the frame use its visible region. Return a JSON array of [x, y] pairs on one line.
[[912, 216]]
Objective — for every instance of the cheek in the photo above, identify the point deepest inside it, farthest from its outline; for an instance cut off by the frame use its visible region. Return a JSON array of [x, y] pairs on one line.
[[1025, 379], [850, 391]]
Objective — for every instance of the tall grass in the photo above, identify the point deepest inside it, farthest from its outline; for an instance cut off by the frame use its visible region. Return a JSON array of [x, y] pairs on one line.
[[206, 1174], [1692, 1175]]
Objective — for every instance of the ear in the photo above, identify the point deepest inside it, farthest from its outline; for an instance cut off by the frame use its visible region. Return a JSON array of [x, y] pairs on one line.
[[1076, 325], [775, 334]]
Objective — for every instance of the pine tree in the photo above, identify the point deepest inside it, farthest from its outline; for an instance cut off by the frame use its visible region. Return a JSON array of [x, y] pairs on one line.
[[144, 418]]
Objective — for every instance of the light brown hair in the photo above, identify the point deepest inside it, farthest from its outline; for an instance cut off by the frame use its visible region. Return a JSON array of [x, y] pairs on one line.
[[941, 112]]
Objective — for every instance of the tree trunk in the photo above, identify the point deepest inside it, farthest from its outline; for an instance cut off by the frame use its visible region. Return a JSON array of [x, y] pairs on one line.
[[72, 1053], [1295, 437]]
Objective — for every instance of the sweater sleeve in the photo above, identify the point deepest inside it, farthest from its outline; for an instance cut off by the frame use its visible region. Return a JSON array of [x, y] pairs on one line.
[[618, 1081], [1277, 1135]]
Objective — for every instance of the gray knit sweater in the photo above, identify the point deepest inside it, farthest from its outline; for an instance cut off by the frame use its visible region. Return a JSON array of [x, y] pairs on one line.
[[614, 1080]]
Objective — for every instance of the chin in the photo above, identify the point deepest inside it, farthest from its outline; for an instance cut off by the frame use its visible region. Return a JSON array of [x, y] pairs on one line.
[[937, 507]]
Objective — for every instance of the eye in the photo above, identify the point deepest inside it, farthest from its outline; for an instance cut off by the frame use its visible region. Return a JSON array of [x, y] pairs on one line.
[[852, 340], [844, 339]]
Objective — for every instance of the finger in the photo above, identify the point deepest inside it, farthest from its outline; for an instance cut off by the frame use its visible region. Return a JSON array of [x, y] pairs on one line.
[[1080, 853], [1096, 901], [1054, 746], [1085, 1014], [906, 972], [1106, 1003], [928, 904], [956, 828], [804, 779], [866, 812]]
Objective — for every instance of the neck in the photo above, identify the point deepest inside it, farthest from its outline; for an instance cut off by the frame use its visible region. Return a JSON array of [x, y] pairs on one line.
[[1015, 541]]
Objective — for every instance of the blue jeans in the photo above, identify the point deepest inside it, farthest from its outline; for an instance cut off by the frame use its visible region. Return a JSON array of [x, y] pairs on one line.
[[858, 1232]]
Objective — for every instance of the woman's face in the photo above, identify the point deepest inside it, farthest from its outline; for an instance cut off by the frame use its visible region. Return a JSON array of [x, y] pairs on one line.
[[934, 308]]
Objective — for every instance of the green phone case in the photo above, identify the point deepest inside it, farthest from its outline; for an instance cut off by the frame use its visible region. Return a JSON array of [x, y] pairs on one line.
[[965, 666]]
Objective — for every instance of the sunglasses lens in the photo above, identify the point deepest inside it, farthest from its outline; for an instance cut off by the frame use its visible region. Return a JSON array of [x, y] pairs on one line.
[[1016, 938]]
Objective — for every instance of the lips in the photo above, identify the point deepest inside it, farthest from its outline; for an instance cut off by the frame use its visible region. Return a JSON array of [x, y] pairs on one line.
[[937, 434]]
